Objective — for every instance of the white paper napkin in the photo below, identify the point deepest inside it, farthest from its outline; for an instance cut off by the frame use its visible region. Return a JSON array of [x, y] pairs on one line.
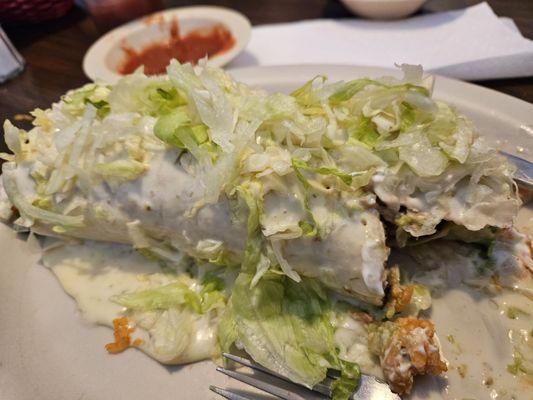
[[11, 62], [470, 44]]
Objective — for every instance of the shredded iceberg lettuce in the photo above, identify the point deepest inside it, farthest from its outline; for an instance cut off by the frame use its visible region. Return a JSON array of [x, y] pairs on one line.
[[174, 294], [122, 170], [286, 326]]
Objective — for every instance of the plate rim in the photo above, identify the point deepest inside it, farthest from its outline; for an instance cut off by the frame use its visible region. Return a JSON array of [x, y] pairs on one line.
[[439, 79]]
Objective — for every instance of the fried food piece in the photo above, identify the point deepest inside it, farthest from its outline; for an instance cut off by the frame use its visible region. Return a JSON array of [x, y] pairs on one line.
[[122, 332], [399, 296], [406, 347]]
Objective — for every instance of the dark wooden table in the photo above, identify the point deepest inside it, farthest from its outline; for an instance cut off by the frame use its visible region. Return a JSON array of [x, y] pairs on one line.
[[54, 50]]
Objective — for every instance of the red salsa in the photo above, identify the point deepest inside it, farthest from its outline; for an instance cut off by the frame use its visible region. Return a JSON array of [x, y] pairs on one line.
[[192, 47]]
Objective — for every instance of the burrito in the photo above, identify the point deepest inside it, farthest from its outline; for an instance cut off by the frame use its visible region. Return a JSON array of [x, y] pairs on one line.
[[290, 190]]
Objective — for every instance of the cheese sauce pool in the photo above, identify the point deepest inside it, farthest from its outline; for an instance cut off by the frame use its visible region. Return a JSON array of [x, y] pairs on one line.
[[479, 333], [93, 272]]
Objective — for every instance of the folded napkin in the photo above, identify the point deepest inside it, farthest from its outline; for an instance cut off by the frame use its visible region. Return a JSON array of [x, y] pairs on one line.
[[471, 44], [11, 63]]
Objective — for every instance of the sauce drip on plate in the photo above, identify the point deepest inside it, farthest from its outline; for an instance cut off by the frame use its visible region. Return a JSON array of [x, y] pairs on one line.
[[191, 47]]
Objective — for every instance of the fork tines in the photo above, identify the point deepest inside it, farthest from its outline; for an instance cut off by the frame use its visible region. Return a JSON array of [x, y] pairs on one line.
[[227, 394], [370, 388], [268, 387]]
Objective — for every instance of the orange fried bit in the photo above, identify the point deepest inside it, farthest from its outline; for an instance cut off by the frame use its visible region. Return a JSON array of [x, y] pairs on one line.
[[137, 342], [409, 347], [121, 331], [399, 295]]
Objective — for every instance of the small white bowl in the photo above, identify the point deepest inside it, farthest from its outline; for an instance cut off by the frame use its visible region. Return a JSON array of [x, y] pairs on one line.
[[103, 60], [383, 9]]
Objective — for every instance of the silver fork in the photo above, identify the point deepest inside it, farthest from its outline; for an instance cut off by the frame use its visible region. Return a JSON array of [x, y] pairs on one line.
[[524, 170], [370, 388], [523, 176]]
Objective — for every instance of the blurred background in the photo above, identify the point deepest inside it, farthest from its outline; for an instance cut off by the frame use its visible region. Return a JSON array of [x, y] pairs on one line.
[[52, 36]]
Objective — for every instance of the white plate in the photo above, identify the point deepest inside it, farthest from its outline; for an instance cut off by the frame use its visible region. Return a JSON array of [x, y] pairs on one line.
[[102, 60], [48, 352]]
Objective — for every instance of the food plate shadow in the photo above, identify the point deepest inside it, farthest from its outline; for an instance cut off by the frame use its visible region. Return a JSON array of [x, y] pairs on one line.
[[429, 387], [245, 59], [174, 369]]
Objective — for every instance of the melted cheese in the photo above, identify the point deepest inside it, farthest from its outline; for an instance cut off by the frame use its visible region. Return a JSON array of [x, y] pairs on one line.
[[93, 272], [481, 336]]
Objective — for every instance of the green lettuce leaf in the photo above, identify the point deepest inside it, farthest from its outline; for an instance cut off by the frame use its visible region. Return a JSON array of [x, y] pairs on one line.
[[407, 116], [177, 322], [344, 177], [363, 130], [310, 227], [350, 89], [92, 93], [344, 386], [173, 295], [120, 170], [150, 96], [306, 96], [227, 330], [164, 98], [286, 326], [252, 251], [175, 128]]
